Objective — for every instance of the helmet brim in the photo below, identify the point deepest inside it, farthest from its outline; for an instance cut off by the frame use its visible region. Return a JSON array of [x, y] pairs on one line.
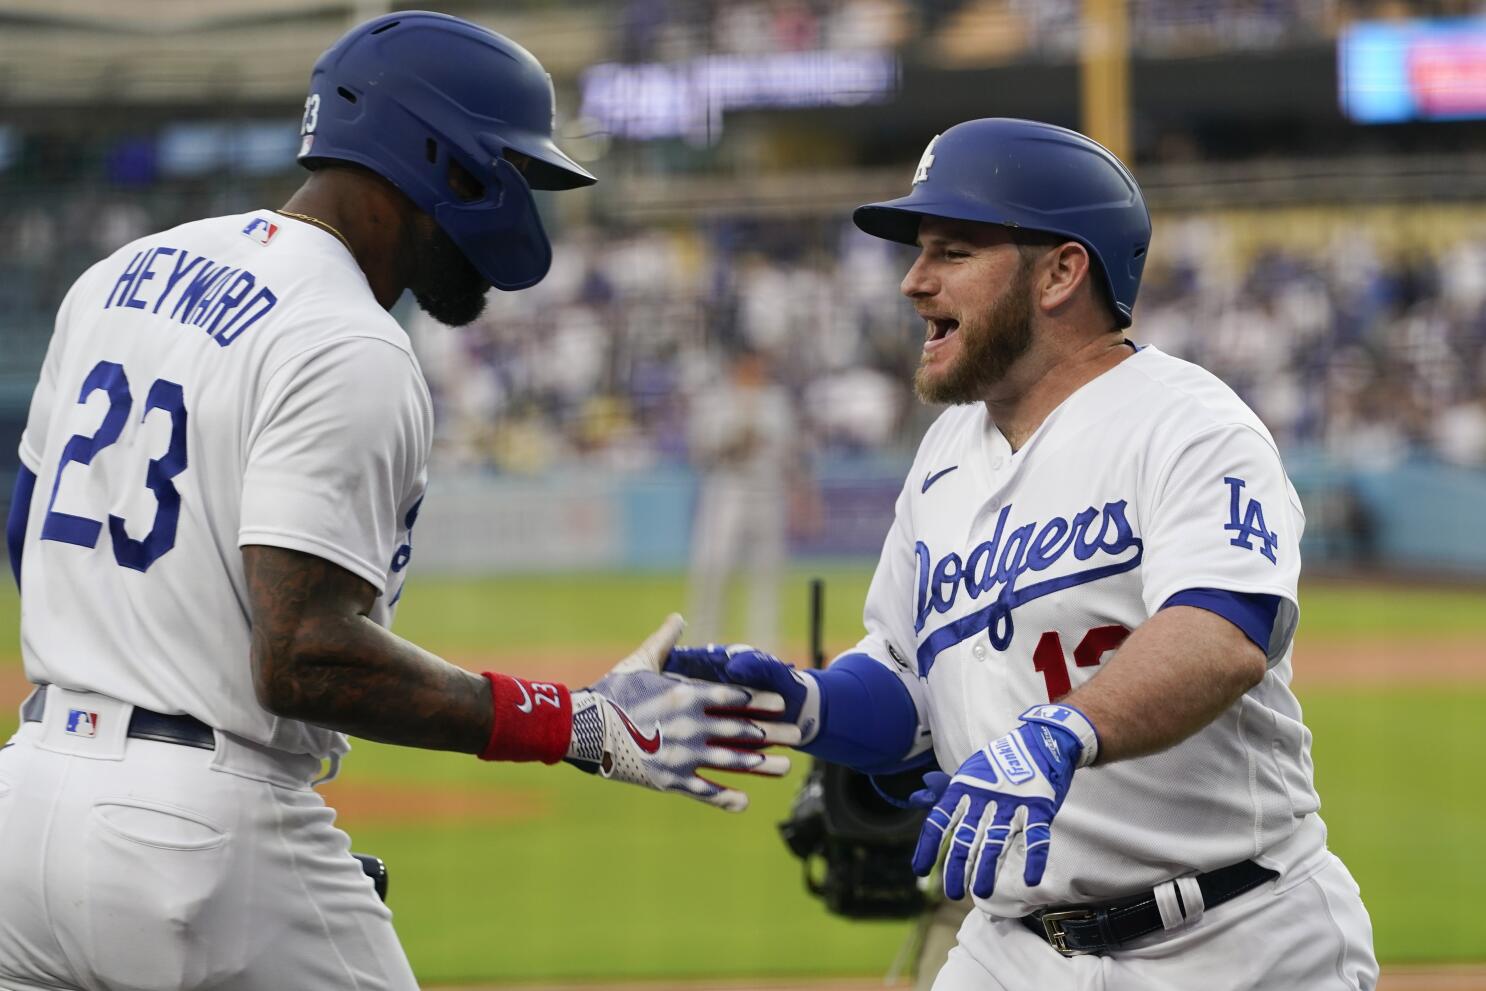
[[898, 220], [550, 167]]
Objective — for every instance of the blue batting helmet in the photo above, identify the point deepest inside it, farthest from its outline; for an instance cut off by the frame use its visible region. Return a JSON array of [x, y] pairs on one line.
[[408, 93], [1030, 175]]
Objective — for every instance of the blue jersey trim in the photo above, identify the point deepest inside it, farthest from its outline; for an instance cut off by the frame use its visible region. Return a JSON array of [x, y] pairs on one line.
[[15, 523], [1251, 612], [867, 718]]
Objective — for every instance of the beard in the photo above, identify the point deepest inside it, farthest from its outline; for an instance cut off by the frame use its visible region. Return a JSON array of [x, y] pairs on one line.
[[444, 283], [988, 348]]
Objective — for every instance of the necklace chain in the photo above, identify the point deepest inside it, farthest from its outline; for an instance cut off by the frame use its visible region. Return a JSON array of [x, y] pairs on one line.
[[320, 224]]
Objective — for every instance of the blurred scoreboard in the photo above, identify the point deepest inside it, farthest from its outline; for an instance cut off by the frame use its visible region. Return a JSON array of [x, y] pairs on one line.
[[1397, 71]]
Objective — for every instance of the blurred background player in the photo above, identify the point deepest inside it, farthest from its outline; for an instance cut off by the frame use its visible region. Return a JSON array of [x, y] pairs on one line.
[[745, 439], [205, 598]]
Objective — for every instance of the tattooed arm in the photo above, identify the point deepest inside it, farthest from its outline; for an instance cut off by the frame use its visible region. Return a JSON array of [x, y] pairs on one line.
[[318, 658]]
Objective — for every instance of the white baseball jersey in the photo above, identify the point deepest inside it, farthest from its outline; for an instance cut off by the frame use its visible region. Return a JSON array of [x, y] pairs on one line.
[[1009, 577], [228, 382]]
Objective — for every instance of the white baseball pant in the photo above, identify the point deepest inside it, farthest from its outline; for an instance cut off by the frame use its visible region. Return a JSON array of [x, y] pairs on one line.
[[1314, 934], [129, 864]]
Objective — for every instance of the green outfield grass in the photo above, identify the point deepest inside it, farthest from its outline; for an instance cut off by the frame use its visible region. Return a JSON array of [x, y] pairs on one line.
[[604, 881]]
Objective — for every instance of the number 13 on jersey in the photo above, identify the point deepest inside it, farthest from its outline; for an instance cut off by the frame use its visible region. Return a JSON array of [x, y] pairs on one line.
[[1050, 660], [109, 377]]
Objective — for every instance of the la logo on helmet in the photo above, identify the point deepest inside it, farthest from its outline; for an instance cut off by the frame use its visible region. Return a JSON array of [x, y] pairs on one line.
[[925, 163]]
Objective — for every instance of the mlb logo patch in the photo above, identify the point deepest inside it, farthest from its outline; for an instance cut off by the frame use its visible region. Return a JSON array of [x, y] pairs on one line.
[[261, 230], [81, 722]]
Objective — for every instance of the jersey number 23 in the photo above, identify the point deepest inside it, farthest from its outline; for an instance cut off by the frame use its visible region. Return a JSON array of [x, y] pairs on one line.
[[109, 377]]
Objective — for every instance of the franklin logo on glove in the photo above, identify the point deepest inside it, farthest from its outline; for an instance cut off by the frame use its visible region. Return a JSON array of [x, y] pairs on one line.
[[1014, 764]]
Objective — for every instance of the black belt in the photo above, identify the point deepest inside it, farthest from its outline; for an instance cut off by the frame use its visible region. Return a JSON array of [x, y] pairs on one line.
[[188, 731], [1099, 928]]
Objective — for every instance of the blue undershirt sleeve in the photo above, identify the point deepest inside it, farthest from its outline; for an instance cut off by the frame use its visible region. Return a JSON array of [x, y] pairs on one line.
[[15, 523], [867, 718], [1251, 612]]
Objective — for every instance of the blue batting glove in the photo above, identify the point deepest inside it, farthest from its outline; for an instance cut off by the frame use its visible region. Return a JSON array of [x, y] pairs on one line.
[[740, 664], [1020, 779]]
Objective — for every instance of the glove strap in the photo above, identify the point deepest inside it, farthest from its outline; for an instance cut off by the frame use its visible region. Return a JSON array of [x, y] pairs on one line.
[[813, 708], [533, 719], [1070, 720], [586, 747]]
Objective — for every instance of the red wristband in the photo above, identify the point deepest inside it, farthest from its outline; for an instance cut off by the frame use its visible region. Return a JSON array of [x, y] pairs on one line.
[[533, 719]]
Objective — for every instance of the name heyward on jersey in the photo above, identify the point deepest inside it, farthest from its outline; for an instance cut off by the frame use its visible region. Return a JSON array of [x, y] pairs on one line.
[[224, 301], [1101, 537]]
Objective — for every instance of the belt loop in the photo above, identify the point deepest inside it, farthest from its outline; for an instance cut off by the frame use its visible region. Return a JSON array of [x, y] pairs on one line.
[[1168, 905], [257, 762], [1191, 895], [331, 772], [84, 723], [1179, 902]]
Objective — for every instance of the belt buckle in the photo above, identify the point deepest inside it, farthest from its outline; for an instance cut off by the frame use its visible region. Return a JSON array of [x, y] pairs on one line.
[[1052, 925]]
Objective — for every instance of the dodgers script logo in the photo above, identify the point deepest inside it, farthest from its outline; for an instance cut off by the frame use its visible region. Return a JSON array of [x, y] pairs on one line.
[[997, 566]]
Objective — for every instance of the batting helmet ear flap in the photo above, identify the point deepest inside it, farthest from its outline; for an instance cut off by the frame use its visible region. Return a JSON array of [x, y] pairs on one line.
[[501, 233]]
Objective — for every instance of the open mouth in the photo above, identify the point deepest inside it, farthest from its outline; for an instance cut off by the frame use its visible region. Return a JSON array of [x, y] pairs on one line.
[[938, 328]]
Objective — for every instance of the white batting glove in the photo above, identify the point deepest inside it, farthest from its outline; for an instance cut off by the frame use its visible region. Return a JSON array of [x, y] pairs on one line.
[[640, 726]]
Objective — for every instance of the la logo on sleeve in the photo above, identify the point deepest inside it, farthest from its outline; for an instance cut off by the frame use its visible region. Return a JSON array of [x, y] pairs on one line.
[[1251, 526]]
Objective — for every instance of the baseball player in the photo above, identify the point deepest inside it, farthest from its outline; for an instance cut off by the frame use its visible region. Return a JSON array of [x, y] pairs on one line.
[[224, 463], [744, 437], [1085, 607]]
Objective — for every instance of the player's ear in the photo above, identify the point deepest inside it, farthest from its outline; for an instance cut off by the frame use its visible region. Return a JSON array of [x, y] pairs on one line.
[[465, 186], [1066, 269]]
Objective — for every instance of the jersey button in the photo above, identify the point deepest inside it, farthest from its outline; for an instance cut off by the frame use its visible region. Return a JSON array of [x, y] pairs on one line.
[[979, 650]]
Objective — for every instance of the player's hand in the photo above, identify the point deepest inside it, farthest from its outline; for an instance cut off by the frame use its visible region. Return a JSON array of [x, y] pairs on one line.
[[1015, 784], [640, 726], [740, 664]]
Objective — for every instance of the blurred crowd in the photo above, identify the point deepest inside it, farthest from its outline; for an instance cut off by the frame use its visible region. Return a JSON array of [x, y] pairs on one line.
[[1367, 351], [609, 357], [1369, 356]]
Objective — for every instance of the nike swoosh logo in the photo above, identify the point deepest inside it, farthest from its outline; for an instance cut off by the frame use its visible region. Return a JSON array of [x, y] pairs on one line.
[[936, 476], [525, 704], [649, 744]]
